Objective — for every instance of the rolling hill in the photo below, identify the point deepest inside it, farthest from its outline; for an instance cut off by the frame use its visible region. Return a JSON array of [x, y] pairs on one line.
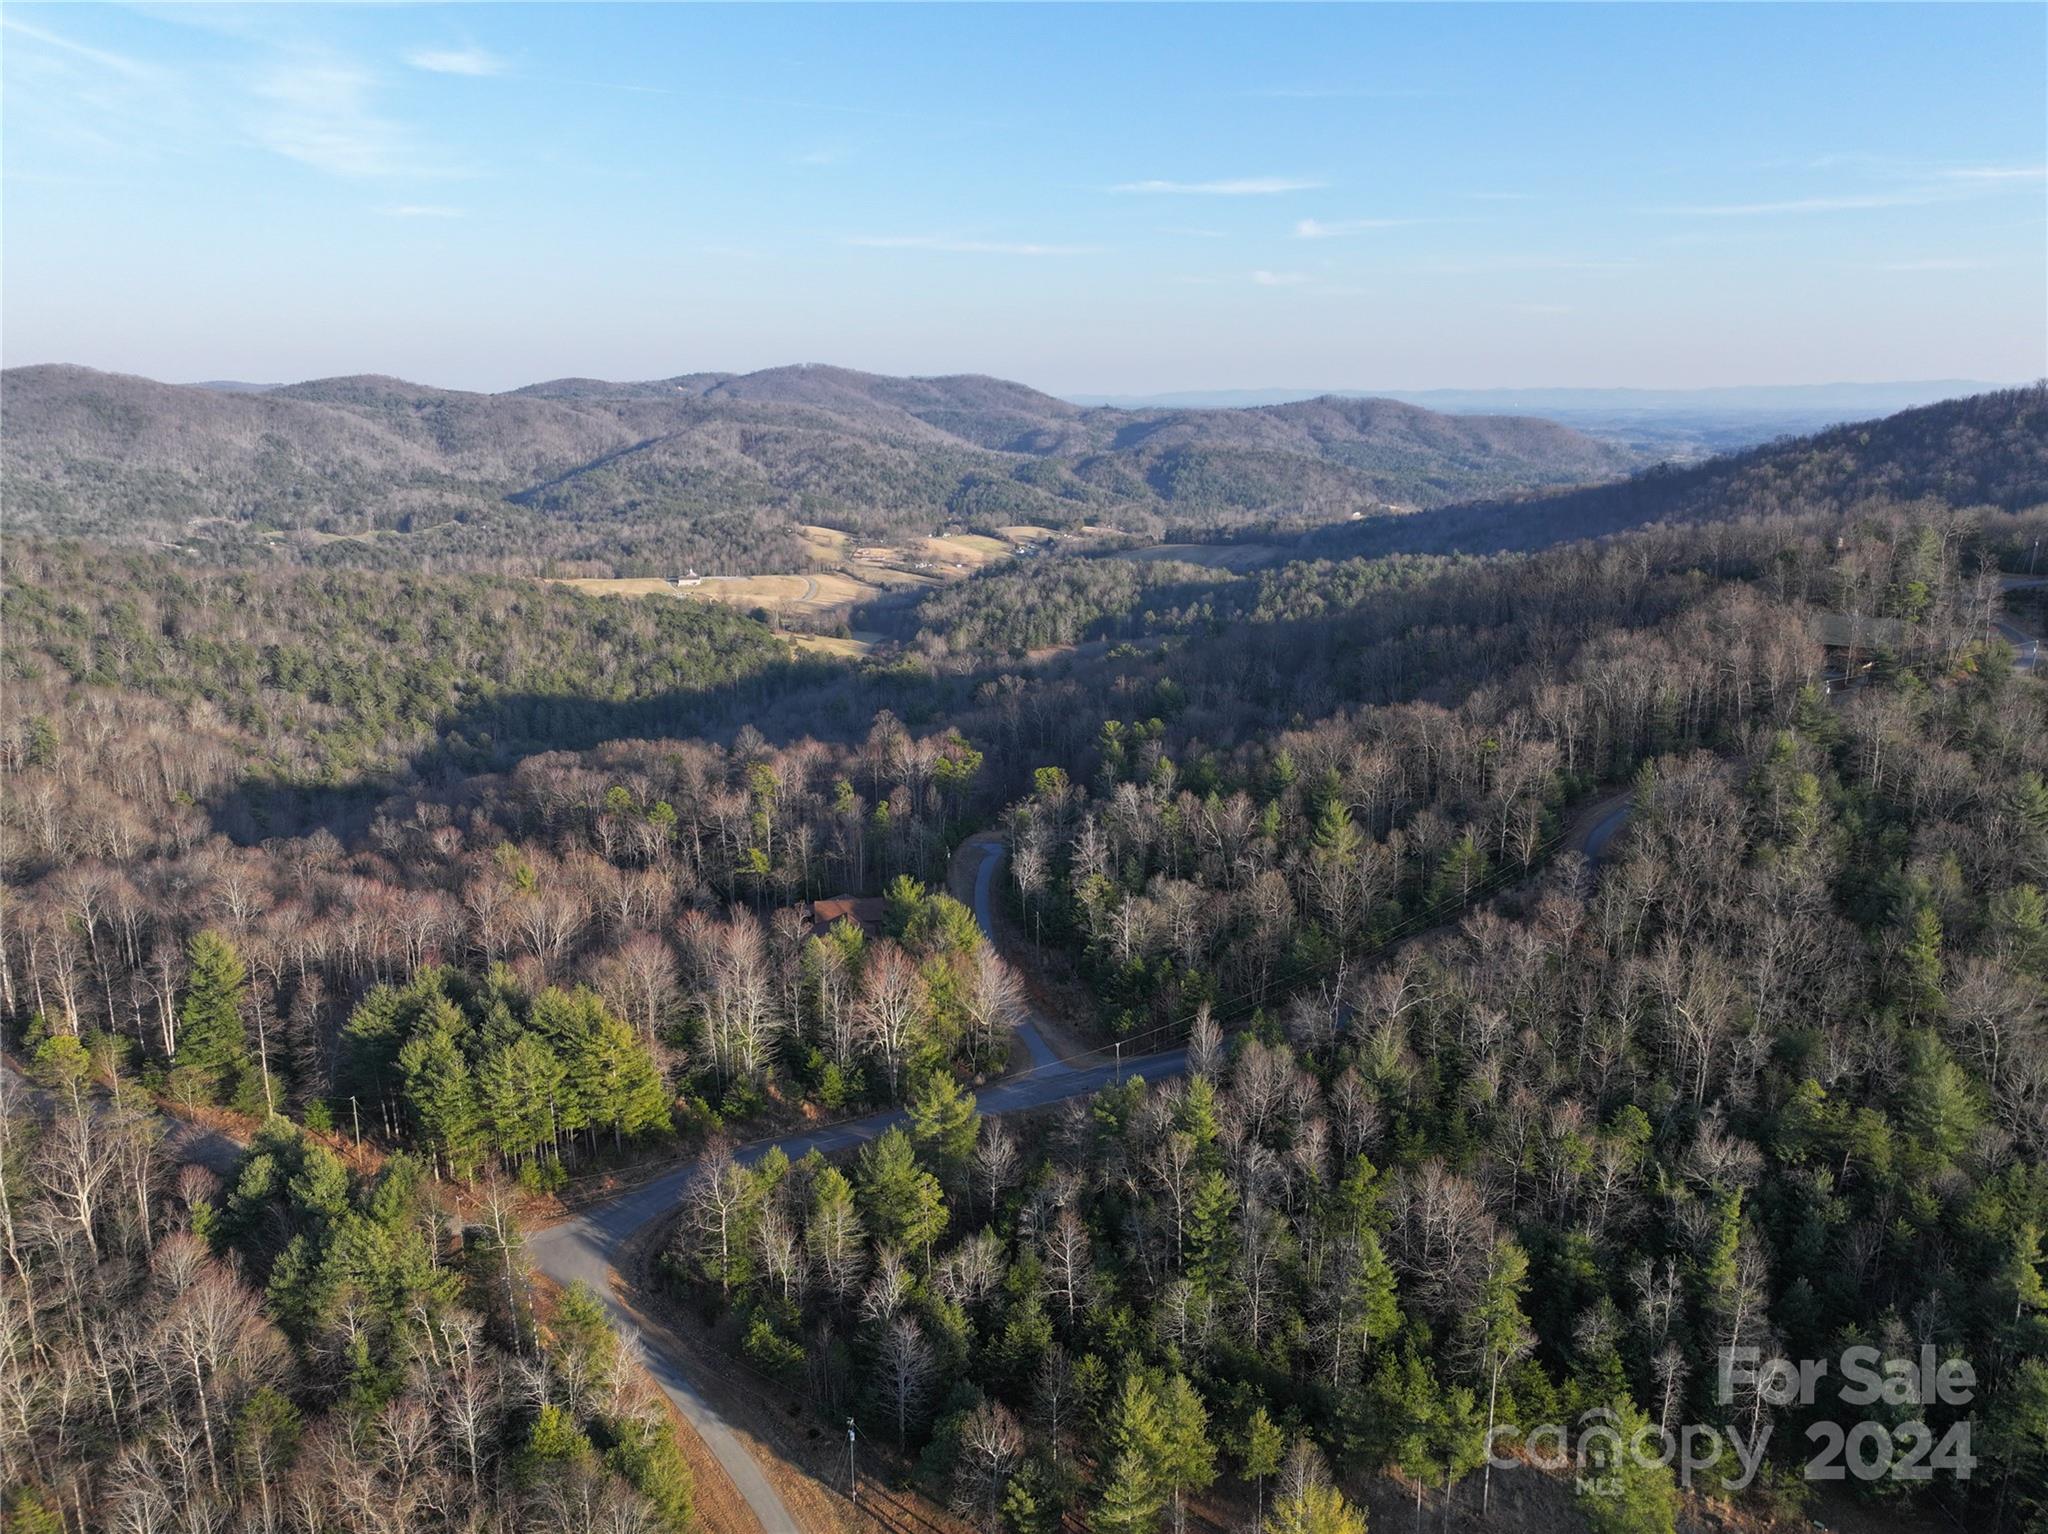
[[716, 467], [1986, 450]]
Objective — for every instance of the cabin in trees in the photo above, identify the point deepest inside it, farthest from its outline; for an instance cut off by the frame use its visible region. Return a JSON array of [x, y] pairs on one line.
[[1853, 641], [864, 911]]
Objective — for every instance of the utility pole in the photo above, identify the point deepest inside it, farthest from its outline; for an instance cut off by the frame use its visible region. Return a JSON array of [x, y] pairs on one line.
[[852, 1481]]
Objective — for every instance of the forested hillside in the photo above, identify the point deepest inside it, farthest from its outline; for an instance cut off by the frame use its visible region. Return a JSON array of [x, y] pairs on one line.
[[510, 882], [233, 688], [713, 470], [1984, 450], [305, 1347]]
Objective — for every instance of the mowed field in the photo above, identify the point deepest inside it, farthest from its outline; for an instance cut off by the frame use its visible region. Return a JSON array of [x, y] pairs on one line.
[[777, 593], [845, 574]]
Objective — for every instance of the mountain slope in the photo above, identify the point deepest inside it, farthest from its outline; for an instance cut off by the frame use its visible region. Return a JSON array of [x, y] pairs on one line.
[[1987, 450], [702, 461]]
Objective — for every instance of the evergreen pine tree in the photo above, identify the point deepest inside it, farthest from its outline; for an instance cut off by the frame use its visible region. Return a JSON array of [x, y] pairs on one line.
[[1625, 1492], [442, 1096], [943, 1122], [1315, 1509], [1264, 1444], [517, 1087], [900, 1200], [213, 1044], [1187, 1459], [1131, 1498]]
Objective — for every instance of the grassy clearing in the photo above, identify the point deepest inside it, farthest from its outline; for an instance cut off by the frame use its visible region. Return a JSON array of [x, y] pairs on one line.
[[833, 644], [969, 549], [846, 574]]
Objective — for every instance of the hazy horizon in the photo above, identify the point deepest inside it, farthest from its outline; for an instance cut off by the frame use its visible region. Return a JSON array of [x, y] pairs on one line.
[[1097, 200], [1192, 392]]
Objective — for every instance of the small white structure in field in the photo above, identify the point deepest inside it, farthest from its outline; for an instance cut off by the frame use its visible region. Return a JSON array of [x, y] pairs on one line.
[[687, 578]]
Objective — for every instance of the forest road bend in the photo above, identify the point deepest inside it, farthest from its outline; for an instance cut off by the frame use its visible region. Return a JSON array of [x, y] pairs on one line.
[[1598, 825], [1040, 1053], [588, 1246], [184, 1142]]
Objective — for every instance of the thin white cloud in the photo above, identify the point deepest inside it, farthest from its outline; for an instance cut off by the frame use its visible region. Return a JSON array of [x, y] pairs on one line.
[[1941, 185], [786, 102], [954, 245], [420, 210], [475, 62], [1998, 173], [1533, 264], [1266, 279], [112, 107], [1317, 229], [118, 63], [1248, 186], [319, 112]]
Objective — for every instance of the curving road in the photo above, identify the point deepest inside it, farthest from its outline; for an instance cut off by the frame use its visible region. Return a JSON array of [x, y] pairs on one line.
[[1029, 1034], [183, 1141], [1596, 827], [588, 1246], [2026, 647]]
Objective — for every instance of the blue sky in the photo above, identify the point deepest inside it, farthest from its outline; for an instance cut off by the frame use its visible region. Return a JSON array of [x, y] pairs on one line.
[[1087, 198]]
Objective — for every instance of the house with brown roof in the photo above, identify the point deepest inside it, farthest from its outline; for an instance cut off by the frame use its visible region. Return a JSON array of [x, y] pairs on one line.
[[864, 911]]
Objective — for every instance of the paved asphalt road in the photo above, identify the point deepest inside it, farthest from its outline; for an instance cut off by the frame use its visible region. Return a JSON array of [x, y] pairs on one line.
[[1040, 1052], [587, 1246], [1601, 827], [2026, 647]]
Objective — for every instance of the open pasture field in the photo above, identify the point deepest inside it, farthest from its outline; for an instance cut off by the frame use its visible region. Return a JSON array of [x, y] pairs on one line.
[[972, 549], [809, 594], [845, 573]]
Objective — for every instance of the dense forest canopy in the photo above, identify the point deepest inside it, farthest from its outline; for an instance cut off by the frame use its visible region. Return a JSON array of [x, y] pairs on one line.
[[443, 889]]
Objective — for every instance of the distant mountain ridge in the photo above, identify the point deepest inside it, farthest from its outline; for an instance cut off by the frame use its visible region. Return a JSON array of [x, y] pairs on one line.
[[582, 464], [1986, 450], [1882, 398], [1680, 425]]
